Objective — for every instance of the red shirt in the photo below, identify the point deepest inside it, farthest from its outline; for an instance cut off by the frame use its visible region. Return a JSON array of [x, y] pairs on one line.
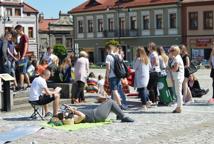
[[24, 39]]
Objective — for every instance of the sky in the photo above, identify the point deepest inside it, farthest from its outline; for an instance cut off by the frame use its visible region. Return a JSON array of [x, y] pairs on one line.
[[51, 8]]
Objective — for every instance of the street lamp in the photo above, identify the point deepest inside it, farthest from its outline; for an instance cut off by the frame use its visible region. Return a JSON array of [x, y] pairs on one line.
[[4, 19]]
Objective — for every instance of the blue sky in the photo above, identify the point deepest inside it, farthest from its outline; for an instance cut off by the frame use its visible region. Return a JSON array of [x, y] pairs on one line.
[[51, 8]]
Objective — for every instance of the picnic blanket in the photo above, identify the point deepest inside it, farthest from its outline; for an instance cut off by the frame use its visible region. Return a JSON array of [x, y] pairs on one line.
[[75, 127]]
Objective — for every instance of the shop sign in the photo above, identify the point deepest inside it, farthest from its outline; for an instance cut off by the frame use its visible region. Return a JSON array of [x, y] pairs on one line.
[[203, 42]]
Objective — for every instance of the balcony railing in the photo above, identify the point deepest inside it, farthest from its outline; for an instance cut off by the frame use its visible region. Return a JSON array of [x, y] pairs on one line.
[[121, 33]]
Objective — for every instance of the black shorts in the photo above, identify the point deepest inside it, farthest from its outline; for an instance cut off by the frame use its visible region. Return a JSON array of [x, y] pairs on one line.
[[45, 99]]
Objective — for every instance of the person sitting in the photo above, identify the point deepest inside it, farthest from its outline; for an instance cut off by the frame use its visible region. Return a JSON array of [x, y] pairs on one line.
[[65, 70], [195, 88], [31, 70], [40, 94], [92, 83], [99, 114]]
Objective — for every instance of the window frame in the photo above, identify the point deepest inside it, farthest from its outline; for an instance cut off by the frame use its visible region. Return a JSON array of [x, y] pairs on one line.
[[206, 27], [196, 18], [80, 26]]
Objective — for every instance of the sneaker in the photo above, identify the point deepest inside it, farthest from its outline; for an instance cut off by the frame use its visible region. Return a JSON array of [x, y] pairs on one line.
[[144, 108], [127, 119], [124, 107]]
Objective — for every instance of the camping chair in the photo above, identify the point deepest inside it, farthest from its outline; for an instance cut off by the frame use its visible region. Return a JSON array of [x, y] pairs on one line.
[[36, 110]]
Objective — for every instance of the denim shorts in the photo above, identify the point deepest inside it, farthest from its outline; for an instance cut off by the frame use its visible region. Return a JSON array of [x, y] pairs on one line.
[[114, 83], [22, 66]]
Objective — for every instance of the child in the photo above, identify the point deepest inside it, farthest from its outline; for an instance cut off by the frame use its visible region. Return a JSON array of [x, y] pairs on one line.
[[100, 84]]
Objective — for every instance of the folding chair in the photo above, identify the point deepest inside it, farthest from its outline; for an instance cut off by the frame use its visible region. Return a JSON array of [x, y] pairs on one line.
[[36, 110]]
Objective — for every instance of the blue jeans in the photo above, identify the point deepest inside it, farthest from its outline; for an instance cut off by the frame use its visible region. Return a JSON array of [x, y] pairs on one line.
[[143, 94], [115, 84]]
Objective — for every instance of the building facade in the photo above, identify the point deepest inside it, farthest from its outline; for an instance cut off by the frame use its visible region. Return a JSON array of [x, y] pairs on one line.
[[133, 23], [56, 31], [17, 12], [198, 27]]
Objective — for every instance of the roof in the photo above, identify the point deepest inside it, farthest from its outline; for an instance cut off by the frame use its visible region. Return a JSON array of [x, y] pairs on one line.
[[43, 24], [29, 9], [100, 5]]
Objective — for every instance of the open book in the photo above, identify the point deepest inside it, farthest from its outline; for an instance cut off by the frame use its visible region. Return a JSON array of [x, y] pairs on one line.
[[57, 89]]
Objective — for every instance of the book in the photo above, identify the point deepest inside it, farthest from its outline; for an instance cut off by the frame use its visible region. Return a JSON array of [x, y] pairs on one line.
[[57, 89]]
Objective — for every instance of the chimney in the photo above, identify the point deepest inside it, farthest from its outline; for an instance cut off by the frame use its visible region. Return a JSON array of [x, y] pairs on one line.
[[41, 16]]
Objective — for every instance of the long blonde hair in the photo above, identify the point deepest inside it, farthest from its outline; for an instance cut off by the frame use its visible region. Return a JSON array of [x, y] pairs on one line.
[[162, 53], [141, 53]]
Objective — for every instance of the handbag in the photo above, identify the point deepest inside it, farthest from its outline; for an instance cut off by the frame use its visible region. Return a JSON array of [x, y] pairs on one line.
[[191, 69]]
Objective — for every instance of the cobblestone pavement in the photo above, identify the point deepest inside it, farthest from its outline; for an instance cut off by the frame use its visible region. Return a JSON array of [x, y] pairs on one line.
[[195, 125]]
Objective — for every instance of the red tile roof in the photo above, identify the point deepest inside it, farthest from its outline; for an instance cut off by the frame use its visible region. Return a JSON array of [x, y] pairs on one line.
[[43, 24], [29, 9], [111, 4]]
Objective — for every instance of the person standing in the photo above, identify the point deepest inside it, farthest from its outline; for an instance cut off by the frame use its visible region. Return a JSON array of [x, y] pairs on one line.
[[177, 68], [187, 95], [154, 72], [211, 60], [23, 46], [81, 73], [114, 82], [12, 57], [141, 67]]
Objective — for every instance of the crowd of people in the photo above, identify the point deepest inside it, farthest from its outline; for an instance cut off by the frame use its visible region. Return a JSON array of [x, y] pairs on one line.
[[149, 65]]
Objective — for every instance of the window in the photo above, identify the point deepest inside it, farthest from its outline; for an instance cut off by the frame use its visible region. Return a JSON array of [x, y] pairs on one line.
[[69, 42], [8, 29], [193, 20], [80, 26], [111, 24], [172, 20], [146, 22], [133, 20], [208, 20], [90, 26], [30, 32], [159, 21], [9, 11], [122, 26], [28, 14], [17, 12], [100, 25], [58, 40]]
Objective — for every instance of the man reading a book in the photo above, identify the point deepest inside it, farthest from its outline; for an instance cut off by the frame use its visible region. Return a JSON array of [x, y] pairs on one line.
[[40, 94]]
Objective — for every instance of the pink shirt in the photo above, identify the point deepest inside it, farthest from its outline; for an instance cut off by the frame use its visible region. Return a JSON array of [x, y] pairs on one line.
[[81, 69]]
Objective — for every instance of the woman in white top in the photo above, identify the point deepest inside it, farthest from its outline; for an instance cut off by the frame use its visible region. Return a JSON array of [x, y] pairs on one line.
[[177, 68], [141, 67], [163, 60], [212, 69]]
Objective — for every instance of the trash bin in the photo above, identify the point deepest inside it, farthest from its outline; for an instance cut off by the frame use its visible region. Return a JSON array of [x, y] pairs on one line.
[[165, 95]]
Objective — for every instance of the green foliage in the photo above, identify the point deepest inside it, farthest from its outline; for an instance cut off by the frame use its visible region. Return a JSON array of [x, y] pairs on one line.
[[113, 42], [60, 51]]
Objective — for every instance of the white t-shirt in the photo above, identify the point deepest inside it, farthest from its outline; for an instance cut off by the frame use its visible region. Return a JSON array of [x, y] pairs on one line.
[[154, 56], [180, 73], [110, 61], [37, 86]]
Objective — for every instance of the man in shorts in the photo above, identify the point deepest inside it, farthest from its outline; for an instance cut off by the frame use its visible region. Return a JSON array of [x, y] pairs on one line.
[[23, 46], [40, 94]]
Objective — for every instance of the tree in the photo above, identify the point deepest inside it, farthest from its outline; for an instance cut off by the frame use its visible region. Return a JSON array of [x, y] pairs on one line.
[[60, 51], [113, 42]]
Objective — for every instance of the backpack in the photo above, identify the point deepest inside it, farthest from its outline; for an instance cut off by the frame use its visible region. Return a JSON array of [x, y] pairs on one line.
[[120, 68]]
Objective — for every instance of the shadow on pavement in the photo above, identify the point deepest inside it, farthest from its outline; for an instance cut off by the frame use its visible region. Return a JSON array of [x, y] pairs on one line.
[[150, 112]]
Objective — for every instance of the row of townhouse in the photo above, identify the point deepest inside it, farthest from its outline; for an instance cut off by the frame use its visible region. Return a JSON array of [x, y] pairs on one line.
[[17, 12], [137, 22]]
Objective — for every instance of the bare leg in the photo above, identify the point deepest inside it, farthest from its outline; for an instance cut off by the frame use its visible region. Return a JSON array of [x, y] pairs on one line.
[[116, 97], [46, 108], [27, 78], [21, 78], [56, 104]]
